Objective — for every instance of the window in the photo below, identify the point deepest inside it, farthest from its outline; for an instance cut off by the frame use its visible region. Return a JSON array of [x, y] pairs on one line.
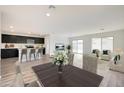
[[107, 43], [80, 46], [74, 46], [77, 46], [96, 43]]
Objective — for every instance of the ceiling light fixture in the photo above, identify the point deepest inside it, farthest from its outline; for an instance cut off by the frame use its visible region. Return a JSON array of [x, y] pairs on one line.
[[50, 8], [48, 14]]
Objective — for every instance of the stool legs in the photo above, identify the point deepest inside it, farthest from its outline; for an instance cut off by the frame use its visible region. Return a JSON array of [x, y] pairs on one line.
[[38, 55], [31, 55], [22, 57]]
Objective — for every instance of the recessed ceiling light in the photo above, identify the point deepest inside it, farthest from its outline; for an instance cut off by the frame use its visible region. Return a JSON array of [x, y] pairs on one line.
[[11, 27], [47, 14]]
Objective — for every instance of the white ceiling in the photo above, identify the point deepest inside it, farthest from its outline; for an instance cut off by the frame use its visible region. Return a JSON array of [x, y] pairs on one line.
[[64, 20]]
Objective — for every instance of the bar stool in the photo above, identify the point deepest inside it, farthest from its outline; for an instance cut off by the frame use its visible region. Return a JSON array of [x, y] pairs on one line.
[[23, 52], [32, 52], [39, 52]]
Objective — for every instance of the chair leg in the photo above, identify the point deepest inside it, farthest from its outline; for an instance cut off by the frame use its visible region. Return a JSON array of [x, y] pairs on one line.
[[30, 57], [34, 57], [37, 55], [21, 57], [26, 58]]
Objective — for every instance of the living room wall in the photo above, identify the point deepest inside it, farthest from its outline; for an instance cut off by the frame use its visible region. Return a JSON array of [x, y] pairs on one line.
[[0, 44], [87, 39], [53, 39]]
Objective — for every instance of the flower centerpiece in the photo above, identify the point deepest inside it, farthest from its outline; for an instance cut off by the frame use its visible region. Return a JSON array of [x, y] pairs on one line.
[[60, 59]]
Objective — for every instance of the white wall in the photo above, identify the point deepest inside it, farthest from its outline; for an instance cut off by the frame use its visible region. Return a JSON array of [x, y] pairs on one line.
[[47, 44], [0, 44], [87, 39], [57, 39]]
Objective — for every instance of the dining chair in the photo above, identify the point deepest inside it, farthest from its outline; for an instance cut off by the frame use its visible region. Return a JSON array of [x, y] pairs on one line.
[[19, 80], [90, 63], [71, 58]]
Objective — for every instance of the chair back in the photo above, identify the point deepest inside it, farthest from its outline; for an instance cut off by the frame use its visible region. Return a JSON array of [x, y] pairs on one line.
[[90, 63], [32, 51], [71, 58], [107, 52], [24, 51], [97, 52], [39, 50], [18, 81]]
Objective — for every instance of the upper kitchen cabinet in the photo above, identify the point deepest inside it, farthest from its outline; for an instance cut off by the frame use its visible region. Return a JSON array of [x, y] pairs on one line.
[[21, 39]]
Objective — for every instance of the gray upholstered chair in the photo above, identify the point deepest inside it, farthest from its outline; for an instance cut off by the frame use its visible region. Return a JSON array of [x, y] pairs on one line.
[[90, 63], [19, 81], [106, 55], [23, 52], [32, 52], [71, 58], [33, 84], [96, 52]]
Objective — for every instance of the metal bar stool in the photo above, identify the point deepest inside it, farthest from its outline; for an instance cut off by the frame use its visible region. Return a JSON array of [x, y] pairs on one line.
[[32, 52], [24, 52], [39, 52]]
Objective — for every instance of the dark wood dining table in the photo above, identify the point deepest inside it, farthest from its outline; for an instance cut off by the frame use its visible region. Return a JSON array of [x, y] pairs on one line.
[[71, 76]]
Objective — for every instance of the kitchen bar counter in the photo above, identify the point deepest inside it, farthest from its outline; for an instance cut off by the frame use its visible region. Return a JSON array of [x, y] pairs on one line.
[[9, 52], [16, 52], [28, 51]]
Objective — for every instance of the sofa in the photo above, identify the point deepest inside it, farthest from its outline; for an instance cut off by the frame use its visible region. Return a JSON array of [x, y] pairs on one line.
[[119, 66], [106, 55], [95, 52]]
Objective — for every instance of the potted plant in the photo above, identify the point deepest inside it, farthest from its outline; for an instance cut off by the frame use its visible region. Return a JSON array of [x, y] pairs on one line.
[[68, 49], [60, 59]]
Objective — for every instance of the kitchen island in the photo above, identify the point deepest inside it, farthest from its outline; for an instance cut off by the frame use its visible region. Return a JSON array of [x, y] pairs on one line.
[[16, 52], [28, 53], [9, 53]]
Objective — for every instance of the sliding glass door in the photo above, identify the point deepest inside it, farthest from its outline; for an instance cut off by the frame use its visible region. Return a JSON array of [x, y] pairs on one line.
[[77, 48]]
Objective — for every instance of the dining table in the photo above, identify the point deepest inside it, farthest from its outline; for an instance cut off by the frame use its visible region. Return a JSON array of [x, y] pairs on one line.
[[71, 76]]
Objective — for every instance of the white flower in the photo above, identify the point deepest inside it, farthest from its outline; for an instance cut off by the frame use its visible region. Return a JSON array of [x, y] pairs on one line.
[[60, 56]]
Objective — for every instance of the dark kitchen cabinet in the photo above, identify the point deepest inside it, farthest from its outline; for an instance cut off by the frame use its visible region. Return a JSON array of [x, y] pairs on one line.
[[44, 51], [9, 53], [20, 39]]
